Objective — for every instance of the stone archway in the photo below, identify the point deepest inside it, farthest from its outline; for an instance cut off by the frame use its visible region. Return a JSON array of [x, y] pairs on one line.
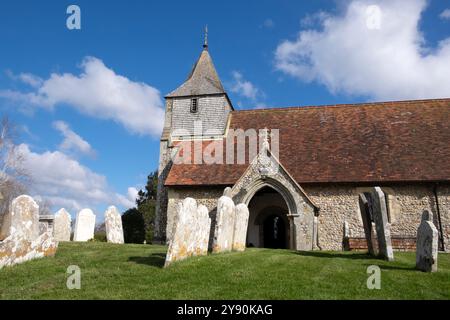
[[268, 225], [266, 171]]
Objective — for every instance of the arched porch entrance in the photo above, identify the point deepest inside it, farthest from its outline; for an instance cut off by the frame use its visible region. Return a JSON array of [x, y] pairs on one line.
[[269, 226]]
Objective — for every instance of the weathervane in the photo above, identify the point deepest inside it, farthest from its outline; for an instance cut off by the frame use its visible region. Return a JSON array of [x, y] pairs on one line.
[[205, 45]]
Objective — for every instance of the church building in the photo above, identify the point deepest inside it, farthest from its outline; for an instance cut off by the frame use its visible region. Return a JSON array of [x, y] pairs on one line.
[[303, 193]]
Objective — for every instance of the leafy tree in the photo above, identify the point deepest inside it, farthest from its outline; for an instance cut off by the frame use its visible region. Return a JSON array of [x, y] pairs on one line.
[[138, 223], [146, 204], [133, 226]]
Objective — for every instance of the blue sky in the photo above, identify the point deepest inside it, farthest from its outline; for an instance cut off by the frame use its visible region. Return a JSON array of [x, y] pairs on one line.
[[89, 147]]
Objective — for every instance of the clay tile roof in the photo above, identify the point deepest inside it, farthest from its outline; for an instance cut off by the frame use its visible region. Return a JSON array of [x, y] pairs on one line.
[[373, 142], [202, 80]]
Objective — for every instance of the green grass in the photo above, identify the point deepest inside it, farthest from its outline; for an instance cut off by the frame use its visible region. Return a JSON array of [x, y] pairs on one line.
[[135, 272]]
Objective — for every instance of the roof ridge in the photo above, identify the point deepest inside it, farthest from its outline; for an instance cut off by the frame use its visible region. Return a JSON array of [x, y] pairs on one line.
[[342, 105]]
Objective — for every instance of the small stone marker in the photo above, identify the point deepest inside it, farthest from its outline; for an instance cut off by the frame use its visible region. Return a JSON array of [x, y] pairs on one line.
[[240, 227], [46, 223], [23, 241], [113, 225], [23, 216], [62, 228], [191, 232], [382, 225], [427, 244], [367, 224], [84, 225], [223, 233]]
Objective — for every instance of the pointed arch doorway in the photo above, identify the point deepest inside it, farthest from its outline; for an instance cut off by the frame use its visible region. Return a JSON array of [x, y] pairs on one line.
[[268, 221]]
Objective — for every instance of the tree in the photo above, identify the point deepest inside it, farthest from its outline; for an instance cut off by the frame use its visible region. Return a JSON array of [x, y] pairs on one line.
[[14, 179], [138, 223], [133, 226], [146, 204]]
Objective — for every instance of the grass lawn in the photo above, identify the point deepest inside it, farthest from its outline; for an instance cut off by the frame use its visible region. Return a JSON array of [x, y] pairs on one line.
[[135, 272]]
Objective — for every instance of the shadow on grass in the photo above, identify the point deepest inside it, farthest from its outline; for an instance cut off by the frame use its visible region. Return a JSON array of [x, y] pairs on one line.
[[333, 255], [391, 267], [155, 260]]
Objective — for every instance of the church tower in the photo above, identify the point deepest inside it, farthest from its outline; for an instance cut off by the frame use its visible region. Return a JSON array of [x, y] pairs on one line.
[[198, 109]]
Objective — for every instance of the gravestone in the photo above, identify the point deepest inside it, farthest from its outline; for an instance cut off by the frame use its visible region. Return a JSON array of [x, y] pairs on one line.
[[23, 216], [113, 225], [183, 240], [240, 227], [227, 192], [367, 224], [203, 227], [84, 225], [382, 224], [427, 244], [223, 233], [62, 226], [23, 241]]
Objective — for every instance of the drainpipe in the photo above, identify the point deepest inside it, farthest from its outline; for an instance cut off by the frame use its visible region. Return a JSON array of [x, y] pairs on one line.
[[441, 234]]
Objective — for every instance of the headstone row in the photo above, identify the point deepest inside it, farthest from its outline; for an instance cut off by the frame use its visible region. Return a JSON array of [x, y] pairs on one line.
[[85, 225], [192, 227]]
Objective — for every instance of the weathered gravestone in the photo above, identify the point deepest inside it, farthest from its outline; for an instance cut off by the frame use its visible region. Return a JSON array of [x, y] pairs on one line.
[[24, 217], [427, 244], [382, 224], [113, 225], [203, 227], [191, 232], [240, 227], [21, 227], [84, 225], [62, 225], [224, 229], [227, 192], [367, 224]]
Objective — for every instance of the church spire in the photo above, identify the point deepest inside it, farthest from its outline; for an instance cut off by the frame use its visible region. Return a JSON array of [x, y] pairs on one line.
[[205, 44], [203, 79]]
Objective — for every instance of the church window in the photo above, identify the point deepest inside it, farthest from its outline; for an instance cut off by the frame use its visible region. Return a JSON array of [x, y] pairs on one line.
[[194, 105]]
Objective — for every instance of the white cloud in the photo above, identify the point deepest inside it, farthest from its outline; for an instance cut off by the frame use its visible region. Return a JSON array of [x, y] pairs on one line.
[[67, 183], [445, 14], [244, 87], [132, 193], [373, 49], [97, 92], [72, 141], [128, 201]]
